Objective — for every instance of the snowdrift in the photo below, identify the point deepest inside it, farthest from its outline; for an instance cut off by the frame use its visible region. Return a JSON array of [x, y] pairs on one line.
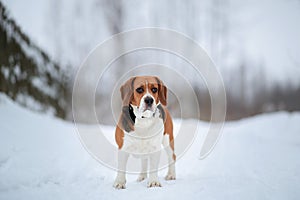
[[41, 157]]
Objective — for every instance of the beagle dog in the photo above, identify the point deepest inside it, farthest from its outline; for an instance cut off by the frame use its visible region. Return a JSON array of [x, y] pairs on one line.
[[145, 127]]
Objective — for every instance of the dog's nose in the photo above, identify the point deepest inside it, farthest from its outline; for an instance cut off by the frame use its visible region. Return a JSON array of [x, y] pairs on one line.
[[149, 101]]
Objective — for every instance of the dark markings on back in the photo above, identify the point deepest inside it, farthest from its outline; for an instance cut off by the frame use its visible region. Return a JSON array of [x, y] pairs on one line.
[[128, 118], [162, 112]]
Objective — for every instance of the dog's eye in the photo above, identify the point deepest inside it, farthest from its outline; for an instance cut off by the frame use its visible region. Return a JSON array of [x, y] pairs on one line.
[[154, 90], [139, 90]]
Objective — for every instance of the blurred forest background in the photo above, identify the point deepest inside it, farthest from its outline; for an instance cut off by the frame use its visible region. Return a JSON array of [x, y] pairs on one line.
[[254, 44]]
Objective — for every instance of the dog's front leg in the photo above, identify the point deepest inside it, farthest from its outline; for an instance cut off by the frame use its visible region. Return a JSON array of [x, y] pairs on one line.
[[153, 177], [121, 176], [143, 174]]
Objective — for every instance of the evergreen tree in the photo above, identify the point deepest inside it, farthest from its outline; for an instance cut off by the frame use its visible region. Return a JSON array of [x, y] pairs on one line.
[[26, 72]]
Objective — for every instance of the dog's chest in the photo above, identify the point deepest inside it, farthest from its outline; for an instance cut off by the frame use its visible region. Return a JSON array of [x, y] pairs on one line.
[[146, 138]]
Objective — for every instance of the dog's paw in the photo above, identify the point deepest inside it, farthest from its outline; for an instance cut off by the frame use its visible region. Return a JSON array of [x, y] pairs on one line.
[[169, 177], [141, 177], [154, 184], [119, 184]]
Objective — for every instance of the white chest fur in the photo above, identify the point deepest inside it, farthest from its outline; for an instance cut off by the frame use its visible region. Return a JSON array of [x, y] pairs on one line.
[[146, 138]]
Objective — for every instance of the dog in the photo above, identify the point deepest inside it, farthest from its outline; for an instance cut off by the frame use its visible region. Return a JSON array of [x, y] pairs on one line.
[[144, 126]]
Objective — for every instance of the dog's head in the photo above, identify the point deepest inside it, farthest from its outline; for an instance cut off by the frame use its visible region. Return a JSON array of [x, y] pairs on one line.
[[144, 94]]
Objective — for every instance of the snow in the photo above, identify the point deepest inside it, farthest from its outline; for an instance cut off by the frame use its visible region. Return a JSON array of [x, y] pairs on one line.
[[41, 157], [5, 72]]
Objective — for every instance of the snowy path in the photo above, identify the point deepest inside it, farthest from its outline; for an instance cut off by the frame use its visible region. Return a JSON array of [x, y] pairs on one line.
[[42, 158]]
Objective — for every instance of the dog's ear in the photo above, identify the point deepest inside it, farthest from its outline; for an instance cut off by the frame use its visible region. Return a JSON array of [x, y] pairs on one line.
[[127, 91], [162, 92], [127, 118]]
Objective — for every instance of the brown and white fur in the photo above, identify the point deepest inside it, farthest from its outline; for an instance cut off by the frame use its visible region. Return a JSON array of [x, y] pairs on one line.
[[144, 126]]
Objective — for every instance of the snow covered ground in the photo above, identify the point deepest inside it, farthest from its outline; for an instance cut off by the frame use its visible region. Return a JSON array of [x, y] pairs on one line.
[[42, 158]]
